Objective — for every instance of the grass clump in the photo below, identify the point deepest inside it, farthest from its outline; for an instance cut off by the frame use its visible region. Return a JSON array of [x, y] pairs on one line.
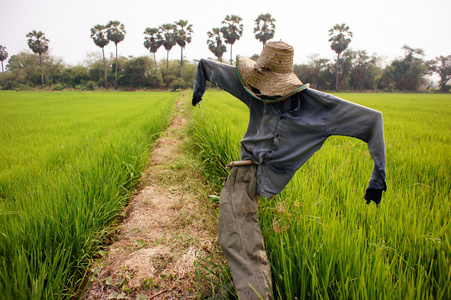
[[69, 163]]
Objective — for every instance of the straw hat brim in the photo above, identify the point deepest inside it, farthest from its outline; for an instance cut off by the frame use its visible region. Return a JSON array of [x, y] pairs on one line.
[[267, 85]]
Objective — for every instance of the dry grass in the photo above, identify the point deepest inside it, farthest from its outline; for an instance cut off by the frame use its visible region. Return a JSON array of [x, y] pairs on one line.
[[167, 228]]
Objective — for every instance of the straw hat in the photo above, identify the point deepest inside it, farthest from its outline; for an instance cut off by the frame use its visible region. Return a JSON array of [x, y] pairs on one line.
[[271, 78]]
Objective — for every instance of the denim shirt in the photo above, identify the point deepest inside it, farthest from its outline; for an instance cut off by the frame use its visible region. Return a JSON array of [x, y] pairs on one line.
[[282, 136]]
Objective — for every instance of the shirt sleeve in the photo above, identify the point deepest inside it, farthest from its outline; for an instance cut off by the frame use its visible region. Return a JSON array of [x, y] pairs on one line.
[[221, 75], [350, 119]]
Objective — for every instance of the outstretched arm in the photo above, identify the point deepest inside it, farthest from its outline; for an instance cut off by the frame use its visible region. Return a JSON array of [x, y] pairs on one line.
[[350, 119], [220, 74]]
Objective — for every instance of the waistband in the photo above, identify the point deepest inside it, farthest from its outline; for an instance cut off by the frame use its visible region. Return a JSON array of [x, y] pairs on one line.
[[240, 163]]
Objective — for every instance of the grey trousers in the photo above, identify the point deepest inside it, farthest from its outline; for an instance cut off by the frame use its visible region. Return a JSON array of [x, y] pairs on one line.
[[240, 234]]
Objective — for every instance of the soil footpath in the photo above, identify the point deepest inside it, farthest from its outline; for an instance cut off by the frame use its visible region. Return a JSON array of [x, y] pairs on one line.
[[166, 228]]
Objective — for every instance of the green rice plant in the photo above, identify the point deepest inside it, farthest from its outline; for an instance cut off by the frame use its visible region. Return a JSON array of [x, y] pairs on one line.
[[69, 164], [214, 140], [322, 240]]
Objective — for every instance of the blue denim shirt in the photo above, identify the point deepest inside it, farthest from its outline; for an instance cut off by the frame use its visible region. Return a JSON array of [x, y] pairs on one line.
[[282, 136]]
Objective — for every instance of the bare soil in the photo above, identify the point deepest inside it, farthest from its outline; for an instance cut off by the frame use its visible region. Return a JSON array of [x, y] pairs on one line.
[[168, 226]]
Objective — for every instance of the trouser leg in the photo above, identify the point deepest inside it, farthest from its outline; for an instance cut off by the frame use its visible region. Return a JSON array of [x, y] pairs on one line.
[[240, 234]]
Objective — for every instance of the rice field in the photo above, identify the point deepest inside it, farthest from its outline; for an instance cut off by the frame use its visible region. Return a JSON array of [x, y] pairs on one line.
[[68, 163], [323, 241]]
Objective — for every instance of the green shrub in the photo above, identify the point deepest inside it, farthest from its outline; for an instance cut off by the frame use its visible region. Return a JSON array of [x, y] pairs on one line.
[[90, 85], [8, 81], [58, 87], [23, 87]]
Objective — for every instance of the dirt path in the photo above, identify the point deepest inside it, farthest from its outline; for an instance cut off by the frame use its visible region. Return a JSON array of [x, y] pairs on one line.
[[166, 228]]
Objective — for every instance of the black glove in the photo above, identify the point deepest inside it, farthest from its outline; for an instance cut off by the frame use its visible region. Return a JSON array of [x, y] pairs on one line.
[[373, 194], [196, 99]]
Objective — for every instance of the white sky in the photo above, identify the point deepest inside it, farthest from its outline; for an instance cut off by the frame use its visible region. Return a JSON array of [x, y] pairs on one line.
[[379, 26]]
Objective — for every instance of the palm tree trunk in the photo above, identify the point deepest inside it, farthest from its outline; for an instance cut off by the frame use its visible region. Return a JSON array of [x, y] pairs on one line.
[[181, 65], [115, 83], [336, 78], [167, 71], [42, 72], [104, 69], [156, 70], [336, 71], [231, 57], [3, 70]]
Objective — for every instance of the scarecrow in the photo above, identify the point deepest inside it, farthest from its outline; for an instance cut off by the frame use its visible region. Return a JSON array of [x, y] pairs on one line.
[[288, 123]]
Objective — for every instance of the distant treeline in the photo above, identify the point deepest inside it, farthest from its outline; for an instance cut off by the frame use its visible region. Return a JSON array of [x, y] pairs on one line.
[[358, 71], [351, 70], [133, 73]]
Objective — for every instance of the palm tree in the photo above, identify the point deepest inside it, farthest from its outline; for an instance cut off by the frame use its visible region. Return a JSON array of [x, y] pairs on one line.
[[264, 28], [169, 41], [152, 41], [410, 52], [3, 55], [216, 43], [115, 33], [38, 43], [183, 37], [340, 38], [232, 31], [98, 34]]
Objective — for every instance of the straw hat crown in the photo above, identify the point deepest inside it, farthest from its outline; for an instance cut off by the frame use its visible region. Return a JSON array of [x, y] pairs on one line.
[[271, 78]]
